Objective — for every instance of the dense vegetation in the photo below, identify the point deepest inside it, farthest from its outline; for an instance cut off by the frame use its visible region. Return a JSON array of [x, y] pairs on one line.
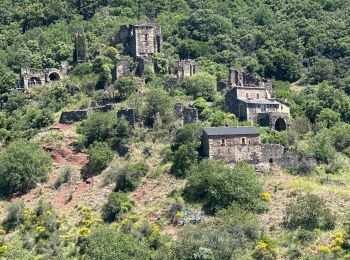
[[215, 210]]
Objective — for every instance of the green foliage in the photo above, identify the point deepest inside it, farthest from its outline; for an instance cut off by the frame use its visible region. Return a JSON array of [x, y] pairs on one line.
[[309, 212], [158, 103], [185, 157], [218, 186], [22, 165], [108, 243], [103, 127], [100, 156], [189, 134], [126, 86], [117, 206], [64, 177], [14, 216], [236, 228], [327, 118], [201, 84], [129, 177]]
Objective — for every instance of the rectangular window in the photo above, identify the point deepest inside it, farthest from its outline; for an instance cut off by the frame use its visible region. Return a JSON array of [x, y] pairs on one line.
[[223, 142], [247, 95], [244, 140], [257, 95]]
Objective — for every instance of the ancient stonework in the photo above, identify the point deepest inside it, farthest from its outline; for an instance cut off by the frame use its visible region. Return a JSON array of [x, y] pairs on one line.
[[104, 108], [249, 98], [140, 40], [186, 68], [190, 115], [70, 117], [171, 84], [31, 77], [232, 145], [128, 115], [123, 68]]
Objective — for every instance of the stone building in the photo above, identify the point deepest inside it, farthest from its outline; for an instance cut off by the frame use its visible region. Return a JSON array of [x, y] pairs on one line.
[[31, 77], [234, 144], [185, 68], [249, 98], [140, 40]]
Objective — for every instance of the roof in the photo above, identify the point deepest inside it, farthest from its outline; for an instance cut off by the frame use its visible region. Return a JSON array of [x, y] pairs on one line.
[[231, 131], [260, 101]]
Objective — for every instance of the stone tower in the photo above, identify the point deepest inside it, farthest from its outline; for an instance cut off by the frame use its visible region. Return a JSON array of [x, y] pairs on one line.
[[80, 49]]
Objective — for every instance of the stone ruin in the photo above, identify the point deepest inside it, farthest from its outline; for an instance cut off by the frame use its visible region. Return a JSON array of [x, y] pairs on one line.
[[186, 68], [237, 78], [128, 115], [32, 77], [140, 40], [104, 108], [123, 68], [69, 117], [185, 115]]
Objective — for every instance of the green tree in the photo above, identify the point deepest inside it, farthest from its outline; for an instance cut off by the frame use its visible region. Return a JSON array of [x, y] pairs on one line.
[[184, 158], [218, 186], [117, 205], [309, 212], [201, 84], [108, 243], [126, 86], [22, 165]]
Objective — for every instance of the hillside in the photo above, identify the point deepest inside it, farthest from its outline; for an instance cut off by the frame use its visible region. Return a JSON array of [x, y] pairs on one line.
[[184, 129]]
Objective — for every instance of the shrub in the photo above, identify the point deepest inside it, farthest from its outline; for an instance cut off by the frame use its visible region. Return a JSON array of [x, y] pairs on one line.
[[202, 84], [126, 86], [184, 158], [99, 155], [64, 177], [158, 102], [218, 186], [265, 249], [309, 212], [129, 177], [189, 134], [117, 205], [22, 165], [108, 243], [14, 216], [103, 127]]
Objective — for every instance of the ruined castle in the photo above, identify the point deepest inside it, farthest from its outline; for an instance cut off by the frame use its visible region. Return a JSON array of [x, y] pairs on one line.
[[249, 98]]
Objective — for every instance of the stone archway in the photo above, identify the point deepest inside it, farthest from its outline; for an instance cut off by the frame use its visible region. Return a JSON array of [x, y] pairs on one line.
[[33, 81], [280, 124], [54, 76]]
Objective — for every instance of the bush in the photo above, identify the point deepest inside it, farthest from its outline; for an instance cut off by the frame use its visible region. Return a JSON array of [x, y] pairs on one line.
[[228, 237], [117, 205], [309, 212], [184, 158], [99, 155], [129, 177], [108, 243], [202, 84], [126, 86], [158, 103], [64, 177], [189, 134], [103, 127], [14, 216], [22, 166], [218, 186]]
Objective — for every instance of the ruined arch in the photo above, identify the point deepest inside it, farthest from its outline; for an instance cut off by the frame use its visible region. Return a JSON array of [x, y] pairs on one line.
[[280, 124], [54, 76], [33, 81]]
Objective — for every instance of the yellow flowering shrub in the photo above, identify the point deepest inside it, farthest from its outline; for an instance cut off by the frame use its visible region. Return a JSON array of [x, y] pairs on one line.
[[40, 229], [324, 249], [84, 232], [265, 196], [3, 249], [155, 229], [178, 214]]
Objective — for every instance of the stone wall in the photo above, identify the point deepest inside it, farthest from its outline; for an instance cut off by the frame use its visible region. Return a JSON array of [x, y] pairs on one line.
[[128, 115], [269, 119], [186, 68], [190, 115], [122, 68], [250, 153], [30, 77], [171, 84], [69, 117], [254, 93], [104, 108]]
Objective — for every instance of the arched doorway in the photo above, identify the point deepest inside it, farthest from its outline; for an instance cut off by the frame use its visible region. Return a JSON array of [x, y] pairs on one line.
[[54, 76], [33, 81], [280, 124]]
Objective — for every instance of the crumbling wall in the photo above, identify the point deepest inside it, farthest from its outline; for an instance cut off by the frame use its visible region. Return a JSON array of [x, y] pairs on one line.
[[186, 68], [190, 115], [128, 115], [69, 117]]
